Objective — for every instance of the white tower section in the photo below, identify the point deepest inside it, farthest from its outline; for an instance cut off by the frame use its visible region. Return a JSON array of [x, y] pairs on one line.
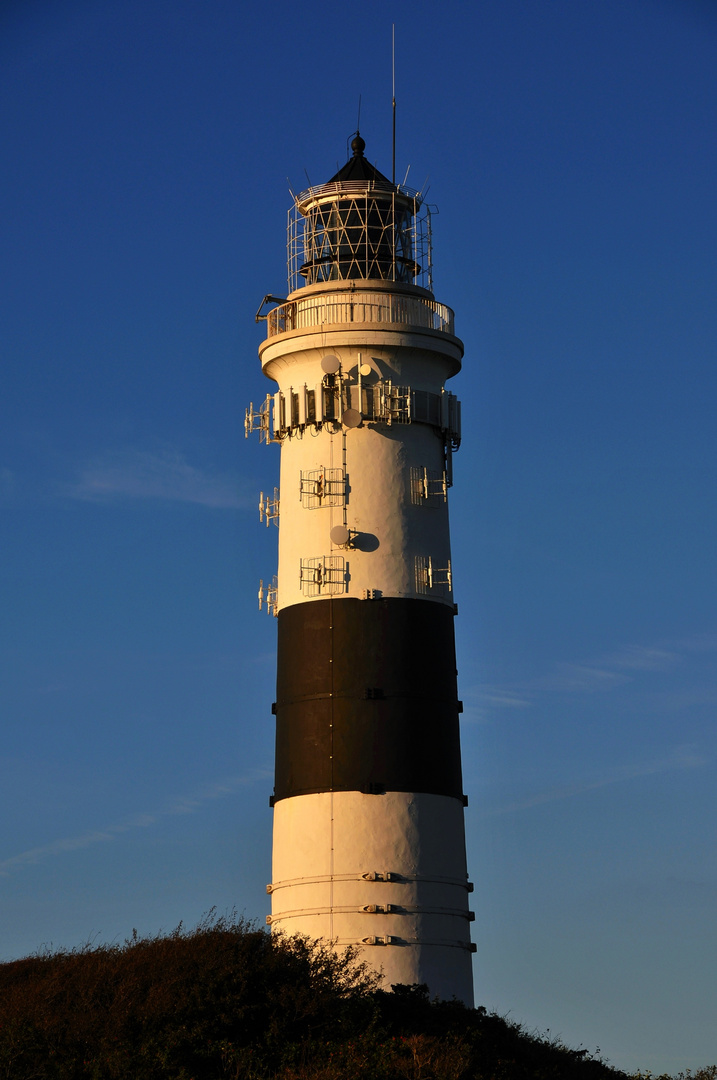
[[369, 845]]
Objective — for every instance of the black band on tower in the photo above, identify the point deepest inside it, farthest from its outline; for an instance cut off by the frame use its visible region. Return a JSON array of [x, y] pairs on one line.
[[366, 698]]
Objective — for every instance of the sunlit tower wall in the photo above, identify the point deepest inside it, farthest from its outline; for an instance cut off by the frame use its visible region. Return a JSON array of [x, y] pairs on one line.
[[369, 845]]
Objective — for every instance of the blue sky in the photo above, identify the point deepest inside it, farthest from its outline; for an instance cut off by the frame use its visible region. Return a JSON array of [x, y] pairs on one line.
[[570, 150]]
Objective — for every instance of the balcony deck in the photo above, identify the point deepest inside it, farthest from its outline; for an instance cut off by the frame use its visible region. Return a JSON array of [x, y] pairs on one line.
[[343, 308]]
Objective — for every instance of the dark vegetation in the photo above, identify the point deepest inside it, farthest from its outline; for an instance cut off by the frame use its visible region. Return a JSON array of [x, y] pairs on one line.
[[227, 1001]]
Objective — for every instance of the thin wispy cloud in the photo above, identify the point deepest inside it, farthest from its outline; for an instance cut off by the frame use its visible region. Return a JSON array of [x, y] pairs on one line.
[[642, 658], [503, 699], [682, 757], [612, 670], [163, 474], [599, 674], [480, 701], [581, 678], [186, 804]]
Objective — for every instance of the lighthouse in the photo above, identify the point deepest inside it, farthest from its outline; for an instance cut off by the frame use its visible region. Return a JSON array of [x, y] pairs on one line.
[[368, 803]]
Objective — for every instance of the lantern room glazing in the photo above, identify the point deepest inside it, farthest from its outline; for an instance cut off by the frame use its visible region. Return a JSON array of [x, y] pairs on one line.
[[359, 226]]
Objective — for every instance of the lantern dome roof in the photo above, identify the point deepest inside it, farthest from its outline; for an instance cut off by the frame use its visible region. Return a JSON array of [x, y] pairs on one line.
[[358, 168]]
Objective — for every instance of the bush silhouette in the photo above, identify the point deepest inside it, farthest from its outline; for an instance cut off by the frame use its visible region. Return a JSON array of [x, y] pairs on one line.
[[227, 1001]]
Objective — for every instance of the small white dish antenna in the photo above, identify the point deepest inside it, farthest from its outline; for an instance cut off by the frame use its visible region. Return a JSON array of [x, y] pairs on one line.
[[351, 418], [340, 535], [330, 364], [365, 370]]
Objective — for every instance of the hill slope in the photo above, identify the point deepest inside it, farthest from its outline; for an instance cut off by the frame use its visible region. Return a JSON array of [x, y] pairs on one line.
[[226, 1001]]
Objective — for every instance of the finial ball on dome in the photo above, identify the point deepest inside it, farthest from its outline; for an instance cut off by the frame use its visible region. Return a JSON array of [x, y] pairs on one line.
[[358, 145]]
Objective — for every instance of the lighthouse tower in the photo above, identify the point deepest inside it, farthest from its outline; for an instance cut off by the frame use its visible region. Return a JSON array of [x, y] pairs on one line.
[[369, 846]]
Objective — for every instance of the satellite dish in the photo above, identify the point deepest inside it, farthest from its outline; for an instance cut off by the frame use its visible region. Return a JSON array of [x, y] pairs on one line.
[[365, 370], [340, 535], [330, 364], [351, 418]]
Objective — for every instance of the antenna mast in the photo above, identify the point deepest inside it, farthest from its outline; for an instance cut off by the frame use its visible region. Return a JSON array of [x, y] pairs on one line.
[[393, 94]]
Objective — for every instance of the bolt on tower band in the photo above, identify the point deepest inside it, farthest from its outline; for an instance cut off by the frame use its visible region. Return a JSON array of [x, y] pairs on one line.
[[369, 846]]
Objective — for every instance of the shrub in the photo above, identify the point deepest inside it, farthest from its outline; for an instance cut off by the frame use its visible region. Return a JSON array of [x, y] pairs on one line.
[[228, 1001]]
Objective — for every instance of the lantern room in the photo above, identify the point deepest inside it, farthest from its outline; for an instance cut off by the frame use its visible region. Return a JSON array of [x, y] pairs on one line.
[[359, 226]]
